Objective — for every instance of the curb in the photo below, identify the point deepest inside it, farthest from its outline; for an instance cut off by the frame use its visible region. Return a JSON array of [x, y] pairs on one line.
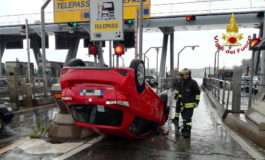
[[232, 120]]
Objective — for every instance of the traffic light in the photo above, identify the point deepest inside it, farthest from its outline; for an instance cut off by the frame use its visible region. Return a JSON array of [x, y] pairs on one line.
[[190, 18], [119, 49], [93, 49], [128, 21], [260, 14], [23, 29], [254, 42], [249, 69], [73, 24]]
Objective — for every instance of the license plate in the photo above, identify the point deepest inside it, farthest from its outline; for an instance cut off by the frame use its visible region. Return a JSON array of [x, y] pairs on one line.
[[101, 108], [86, 92]]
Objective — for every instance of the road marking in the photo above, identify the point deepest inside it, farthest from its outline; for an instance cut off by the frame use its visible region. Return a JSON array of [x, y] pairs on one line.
[[17, 143], [251, 150], [79, 149], [29, 109]]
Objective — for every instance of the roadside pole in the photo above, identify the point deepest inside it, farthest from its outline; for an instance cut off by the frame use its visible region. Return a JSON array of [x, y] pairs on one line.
[[44, 74], [28, 51], [110, 57], [141, 31], [136, 34], [251, 77]]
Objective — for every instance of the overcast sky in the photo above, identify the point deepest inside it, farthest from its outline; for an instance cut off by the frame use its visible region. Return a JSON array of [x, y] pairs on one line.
[[198, 58]]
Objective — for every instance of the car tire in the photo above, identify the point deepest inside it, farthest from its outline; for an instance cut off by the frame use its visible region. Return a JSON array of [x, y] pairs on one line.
[[165, 106], [139, 72], [76, 62], [2, 124]]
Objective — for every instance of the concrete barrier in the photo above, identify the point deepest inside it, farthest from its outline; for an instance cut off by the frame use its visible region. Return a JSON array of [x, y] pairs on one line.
[[246, 128], [256, 114], [63, 126]]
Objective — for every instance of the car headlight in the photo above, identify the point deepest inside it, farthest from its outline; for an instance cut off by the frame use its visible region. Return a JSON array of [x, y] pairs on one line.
[[9, 109]]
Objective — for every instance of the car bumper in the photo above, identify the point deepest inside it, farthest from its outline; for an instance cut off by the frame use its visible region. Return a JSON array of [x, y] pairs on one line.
[[7, 117], [114, 122]]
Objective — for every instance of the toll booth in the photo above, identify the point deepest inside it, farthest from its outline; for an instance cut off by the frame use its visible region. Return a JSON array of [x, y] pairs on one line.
[[225, 74], [53, 68], [21, 67]]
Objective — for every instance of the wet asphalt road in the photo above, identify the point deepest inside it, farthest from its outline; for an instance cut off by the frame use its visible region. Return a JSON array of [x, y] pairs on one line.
[[23, 122], [209, 140]]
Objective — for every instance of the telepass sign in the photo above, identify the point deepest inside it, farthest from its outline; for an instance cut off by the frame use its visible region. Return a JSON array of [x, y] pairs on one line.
[[79, 11], [232, 39], [71, 11], [106, 20]]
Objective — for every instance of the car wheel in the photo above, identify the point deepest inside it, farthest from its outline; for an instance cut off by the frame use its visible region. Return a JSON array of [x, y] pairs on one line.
[[75, 63], [2, 124], [139, 71], [166, 107]]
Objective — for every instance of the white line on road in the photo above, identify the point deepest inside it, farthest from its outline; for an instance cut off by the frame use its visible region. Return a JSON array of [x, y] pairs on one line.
[[79, 149], [255, 154]]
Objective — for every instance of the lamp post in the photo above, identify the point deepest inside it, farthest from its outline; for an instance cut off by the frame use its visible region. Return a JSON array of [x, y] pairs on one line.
[[216, 62], [157, 49], [193, 47]]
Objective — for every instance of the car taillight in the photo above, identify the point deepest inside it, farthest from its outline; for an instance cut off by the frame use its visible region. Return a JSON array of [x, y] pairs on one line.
[[57, 95], [121, 100]]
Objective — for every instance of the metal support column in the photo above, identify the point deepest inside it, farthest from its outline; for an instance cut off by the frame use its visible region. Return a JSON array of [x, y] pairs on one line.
[[251, 77], [110, 55], [2, 50], [36, 50], [171, 53], [45, 77], [262, 78], [28, 49], [72, 52], [163, 59], [117, 61], [141, 30], [257, 54], [100, 55]]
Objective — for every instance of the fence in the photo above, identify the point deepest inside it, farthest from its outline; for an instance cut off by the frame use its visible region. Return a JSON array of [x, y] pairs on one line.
[[222, 91]]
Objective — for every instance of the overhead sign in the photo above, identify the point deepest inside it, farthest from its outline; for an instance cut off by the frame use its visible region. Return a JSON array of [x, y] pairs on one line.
[[106, 20], [78, 10], [132, 6], [71, 11], [135, 2]]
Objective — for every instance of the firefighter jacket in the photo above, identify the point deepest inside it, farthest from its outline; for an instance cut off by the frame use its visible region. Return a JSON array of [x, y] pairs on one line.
[[190, 93], [176, 87]]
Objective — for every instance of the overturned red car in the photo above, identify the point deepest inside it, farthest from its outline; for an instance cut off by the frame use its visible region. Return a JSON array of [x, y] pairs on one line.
[[114, 101]]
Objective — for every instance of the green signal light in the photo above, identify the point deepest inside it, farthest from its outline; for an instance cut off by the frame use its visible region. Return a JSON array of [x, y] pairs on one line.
[[130, 21], [74, 24]]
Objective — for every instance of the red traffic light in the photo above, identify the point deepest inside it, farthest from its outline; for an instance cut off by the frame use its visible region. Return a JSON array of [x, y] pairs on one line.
[[254, 42], [23, 27], [119, 49], [93, 49], [190, 18]]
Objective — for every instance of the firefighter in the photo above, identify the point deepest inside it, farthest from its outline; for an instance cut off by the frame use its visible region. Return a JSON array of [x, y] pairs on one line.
[[176, 87], [190, 92]]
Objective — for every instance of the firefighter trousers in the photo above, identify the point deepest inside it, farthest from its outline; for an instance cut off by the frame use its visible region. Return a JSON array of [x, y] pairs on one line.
[[186, 115]]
